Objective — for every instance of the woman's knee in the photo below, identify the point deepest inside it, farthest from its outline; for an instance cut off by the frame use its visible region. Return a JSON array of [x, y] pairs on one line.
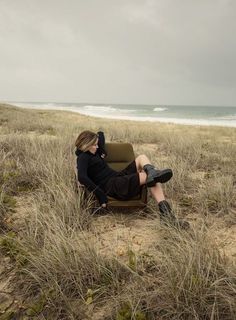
[[140, 159], [141, 156]]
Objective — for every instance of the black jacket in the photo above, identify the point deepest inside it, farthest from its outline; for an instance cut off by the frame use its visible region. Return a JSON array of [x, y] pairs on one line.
[[93, 171]]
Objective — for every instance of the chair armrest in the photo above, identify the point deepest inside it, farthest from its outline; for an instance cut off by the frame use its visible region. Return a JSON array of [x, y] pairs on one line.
[[144, 193]]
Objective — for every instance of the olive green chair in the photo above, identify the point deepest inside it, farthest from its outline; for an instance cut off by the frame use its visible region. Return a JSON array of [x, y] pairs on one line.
[[119, 155]]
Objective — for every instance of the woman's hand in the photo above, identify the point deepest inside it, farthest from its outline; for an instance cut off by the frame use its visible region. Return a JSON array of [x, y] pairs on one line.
[[104, 205]]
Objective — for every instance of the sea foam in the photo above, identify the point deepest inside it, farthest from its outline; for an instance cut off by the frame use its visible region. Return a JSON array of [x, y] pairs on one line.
[[160, 109], [99, 108]]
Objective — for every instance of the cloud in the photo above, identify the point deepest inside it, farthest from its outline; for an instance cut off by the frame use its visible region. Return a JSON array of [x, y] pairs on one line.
[[139, 51]]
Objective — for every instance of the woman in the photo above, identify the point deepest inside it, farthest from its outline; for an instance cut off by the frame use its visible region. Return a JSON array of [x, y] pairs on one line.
[[99, 178]]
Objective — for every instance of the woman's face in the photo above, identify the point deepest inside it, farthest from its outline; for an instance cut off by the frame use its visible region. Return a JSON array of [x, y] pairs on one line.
[[94, 147]]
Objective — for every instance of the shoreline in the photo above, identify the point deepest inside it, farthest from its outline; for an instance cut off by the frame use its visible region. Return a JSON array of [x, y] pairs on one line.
[[178, 121]]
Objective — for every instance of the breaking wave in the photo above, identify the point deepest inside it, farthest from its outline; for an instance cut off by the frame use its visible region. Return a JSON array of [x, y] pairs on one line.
[[99, 108], [160, 109]]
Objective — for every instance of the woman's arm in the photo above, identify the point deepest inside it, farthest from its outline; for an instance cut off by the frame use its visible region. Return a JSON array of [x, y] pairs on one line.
[[82, 167], [101, 144]]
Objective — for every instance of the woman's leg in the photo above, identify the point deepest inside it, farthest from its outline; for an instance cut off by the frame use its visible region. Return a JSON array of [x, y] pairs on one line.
[[141, 161], [166, 213], [153, 174], [156, 191]]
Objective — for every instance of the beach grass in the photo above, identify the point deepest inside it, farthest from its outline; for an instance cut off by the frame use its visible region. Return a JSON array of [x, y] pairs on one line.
[[62, 262]]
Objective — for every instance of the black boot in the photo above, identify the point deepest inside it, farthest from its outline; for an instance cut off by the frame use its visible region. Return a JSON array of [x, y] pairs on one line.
[[168, 217], [154, 175]]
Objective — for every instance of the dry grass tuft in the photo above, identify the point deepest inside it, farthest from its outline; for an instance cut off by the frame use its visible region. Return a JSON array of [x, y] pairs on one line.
[[59, 271], [195, 281]]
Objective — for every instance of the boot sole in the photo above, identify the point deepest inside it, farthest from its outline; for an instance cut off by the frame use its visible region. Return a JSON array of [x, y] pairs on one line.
[[164, 176]]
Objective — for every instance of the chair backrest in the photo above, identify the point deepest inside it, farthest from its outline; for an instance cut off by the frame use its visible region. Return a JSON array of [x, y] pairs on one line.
[[119, 155]]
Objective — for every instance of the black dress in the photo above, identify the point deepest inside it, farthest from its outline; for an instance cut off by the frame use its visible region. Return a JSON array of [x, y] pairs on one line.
[[125, 185]]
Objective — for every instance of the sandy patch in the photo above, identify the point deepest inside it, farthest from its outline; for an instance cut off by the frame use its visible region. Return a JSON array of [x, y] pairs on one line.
[[16, 220], [118, 237], [225, 237]]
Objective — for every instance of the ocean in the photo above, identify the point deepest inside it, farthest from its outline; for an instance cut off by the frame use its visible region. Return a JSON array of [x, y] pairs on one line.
[[190, 115]]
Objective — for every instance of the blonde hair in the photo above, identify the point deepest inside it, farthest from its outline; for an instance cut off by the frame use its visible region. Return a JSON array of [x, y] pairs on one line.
[[85, 140]]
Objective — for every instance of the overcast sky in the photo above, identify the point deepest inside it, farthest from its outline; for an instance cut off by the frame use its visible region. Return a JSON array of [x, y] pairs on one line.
[[118, 51]]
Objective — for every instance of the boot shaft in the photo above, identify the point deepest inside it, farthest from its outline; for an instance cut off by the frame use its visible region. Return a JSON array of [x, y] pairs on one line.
[[165, 210], [168, 217]]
